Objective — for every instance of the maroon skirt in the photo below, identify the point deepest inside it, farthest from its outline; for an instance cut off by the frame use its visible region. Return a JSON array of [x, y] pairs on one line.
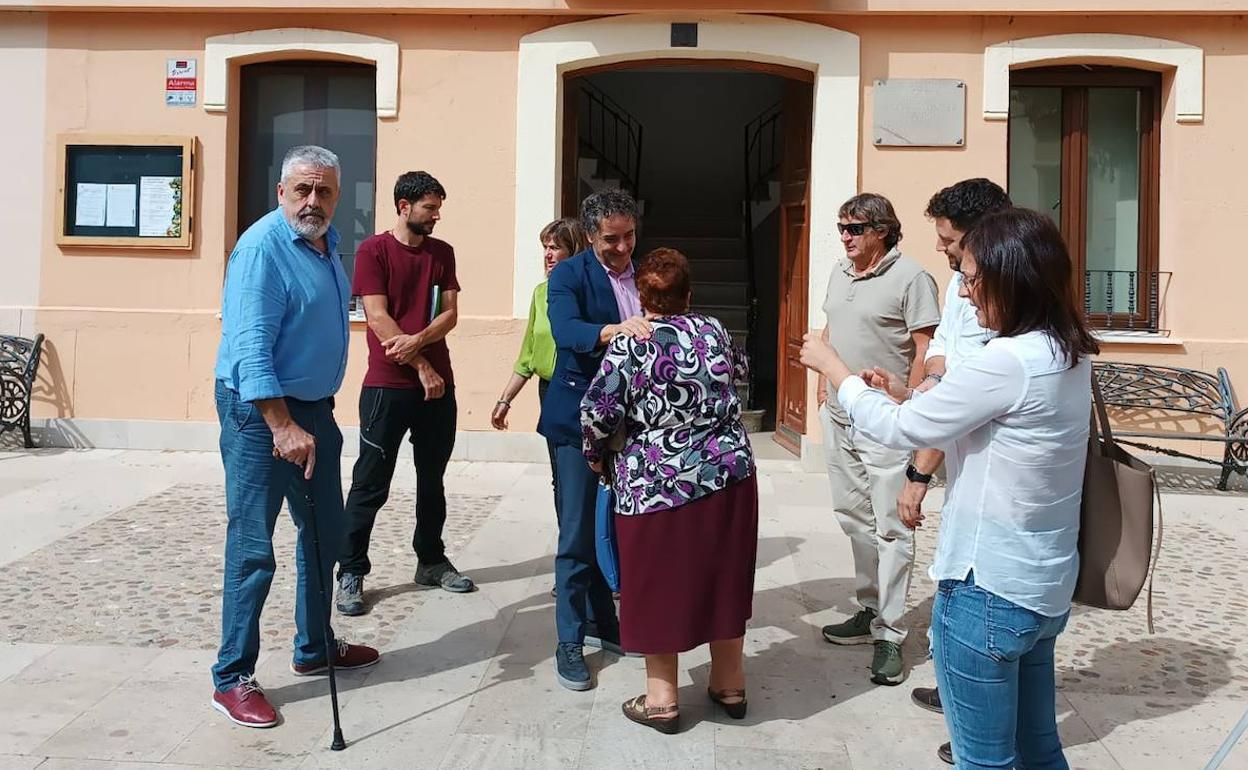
[[687, 574]]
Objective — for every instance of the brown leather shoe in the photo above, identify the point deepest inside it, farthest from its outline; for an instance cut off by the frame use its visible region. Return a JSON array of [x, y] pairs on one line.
[[927, 698], [347, 657], [653, 716], [245, 704]]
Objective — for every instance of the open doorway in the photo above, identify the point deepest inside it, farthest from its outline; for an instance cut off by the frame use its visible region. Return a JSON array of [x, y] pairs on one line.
[[717, 153]]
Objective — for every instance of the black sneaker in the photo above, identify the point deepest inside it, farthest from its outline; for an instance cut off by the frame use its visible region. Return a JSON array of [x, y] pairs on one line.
[[856, 630], [945, 752], [570, 667], [927, 698], [350, 594], [886, 664], [444, 576]]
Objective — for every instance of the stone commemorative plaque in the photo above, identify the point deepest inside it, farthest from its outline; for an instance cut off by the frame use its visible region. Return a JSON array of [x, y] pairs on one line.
[[919, 113]]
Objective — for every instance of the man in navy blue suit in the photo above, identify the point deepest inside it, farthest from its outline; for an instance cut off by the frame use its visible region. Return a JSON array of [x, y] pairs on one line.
[[591, 298]]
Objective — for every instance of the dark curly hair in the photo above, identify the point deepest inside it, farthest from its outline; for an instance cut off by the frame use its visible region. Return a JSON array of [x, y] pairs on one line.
[[415, 185], [968, 201], [662, 280], [608, 202]]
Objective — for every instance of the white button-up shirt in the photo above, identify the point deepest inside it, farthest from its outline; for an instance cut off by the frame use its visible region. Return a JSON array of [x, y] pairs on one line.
[[959, 333], [1016, 415]]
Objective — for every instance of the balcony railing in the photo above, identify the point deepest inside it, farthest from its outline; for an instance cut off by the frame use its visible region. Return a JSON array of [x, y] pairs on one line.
[[1124, 300]]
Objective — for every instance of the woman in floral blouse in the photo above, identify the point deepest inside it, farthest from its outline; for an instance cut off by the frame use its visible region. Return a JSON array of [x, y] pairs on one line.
[[687, 499]]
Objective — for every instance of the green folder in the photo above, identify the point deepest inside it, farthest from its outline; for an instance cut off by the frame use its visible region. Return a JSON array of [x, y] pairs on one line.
[[435, 307]]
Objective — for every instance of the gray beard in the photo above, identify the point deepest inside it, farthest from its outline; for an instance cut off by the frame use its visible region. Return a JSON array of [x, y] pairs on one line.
[[309, 230]]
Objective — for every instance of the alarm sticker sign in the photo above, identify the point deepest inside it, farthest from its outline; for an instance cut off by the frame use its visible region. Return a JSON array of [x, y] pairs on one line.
[[180, 83]]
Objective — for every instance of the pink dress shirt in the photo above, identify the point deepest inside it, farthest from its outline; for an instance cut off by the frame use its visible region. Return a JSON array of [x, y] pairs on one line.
[[625, 290]]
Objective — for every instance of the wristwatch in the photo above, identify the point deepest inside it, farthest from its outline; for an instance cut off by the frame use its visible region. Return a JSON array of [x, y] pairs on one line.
[[912, 473]]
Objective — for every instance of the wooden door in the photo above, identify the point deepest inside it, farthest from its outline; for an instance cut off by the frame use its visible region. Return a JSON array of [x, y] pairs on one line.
[[794, 265]]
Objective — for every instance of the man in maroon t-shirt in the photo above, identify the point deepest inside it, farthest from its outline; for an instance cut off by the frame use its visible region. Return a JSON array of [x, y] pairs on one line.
[[406, 279]]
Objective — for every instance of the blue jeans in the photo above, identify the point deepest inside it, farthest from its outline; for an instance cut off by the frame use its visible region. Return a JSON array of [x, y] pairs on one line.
[[255, 484], [994, 668], [581, 593]]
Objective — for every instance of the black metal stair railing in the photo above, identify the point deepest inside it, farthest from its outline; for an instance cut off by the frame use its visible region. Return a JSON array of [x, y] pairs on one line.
[[761, 157], [613, 136], [1124, 300]]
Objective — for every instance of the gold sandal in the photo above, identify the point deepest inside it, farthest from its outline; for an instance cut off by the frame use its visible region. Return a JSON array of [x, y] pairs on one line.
[[651, 716], [736, 709]]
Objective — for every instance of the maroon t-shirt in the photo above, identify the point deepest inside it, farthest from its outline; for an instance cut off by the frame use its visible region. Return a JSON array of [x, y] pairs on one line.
[[407, 276]]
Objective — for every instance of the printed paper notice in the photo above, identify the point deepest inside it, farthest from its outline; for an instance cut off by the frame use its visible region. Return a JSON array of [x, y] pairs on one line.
[[120, 208], [160, 207], [89, 205]]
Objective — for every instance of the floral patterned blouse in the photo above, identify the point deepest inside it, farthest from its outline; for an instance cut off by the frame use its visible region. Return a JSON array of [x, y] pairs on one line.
[[674, 396]]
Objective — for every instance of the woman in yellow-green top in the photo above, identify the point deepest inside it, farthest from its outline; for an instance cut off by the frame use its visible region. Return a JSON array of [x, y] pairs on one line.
[[560, 239]]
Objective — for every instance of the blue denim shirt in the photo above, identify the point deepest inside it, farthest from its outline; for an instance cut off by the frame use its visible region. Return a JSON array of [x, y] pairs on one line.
[[284, 323]]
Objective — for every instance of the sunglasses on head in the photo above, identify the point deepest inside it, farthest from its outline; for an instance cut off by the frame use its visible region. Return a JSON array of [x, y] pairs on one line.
[[855, 228]]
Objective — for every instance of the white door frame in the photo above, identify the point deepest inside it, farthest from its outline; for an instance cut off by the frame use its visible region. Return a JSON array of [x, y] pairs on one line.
[[830, 54]]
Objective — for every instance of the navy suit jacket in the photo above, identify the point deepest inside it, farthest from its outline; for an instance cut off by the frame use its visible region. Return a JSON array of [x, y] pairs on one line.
[[579, 302]]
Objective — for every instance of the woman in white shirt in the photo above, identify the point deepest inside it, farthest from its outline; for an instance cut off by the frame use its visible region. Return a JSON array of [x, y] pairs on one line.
[[1007, 556]]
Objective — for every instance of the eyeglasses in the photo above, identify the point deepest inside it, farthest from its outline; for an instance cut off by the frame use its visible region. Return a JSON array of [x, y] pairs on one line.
[[969, 281], [855, 228]]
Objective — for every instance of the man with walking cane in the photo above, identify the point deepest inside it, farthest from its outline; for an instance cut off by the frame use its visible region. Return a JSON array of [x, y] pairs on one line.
[[283, 353]]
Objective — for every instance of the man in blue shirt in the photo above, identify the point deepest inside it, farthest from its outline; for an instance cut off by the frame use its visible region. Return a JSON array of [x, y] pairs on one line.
[[282, 357]]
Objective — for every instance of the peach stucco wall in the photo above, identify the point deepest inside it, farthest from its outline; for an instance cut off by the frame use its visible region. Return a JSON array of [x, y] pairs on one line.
[[133, 334], [151, 319]]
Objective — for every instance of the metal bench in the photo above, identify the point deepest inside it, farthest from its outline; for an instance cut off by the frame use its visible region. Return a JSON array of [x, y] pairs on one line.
[[19, 362], [1168, 403]]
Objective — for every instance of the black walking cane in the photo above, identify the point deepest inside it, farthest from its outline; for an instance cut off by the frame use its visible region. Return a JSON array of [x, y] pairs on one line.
[[338, 744]]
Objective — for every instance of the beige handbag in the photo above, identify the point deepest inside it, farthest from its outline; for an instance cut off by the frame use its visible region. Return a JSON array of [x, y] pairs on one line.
[[1116, 521]]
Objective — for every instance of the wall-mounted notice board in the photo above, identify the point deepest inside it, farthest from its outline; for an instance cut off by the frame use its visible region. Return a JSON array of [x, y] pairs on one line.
[[125, 191]]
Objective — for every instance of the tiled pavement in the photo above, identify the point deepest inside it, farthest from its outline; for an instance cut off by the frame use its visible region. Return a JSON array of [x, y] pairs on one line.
[[111, 565]]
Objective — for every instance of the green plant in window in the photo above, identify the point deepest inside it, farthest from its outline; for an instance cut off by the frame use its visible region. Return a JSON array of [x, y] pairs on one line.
[[175, 224]]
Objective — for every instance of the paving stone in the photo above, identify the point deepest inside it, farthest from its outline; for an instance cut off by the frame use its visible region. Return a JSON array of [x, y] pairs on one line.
[[399, 721], [742, 758], [120, 726], [612, 741], [175, 600], [1141, 732], [15, 656], [66, 763], [526, 700], [29, 715], [501, 752], [468, 680]]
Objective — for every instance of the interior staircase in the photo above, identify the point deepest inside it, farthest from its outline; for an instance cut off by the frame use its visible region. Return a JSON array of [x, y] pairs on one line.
[[720, 275], [717, 244]]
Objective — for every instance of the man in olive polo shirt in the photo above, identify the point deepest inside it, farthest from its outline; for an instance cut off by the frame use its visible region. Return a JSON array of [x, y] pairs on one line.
[[882, 310]]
